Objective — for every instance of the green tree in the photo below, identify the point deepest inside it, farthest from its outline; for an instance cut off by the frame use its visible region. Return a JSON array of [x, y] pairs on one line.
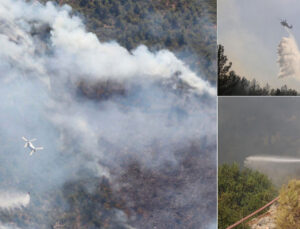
[[240, 192], [157, 24], [83, 3], [223, 67], [229, 83]]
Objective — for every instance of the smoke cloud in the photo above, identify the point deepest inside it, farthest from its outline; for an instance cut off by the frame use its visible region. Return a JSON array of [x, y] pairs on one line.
[[11, 200], [95, 107], [289, 57], [7, 226]]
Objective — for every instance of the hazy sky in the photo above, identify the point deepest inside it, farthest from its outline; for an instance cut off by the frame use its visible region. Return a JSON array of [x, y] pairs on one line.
[[250, 30], [258, 126]]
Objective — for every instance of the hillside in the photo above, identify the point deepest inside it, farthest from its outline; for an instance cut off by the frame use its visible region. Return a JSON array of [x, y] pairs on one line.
[[241, 191], [128, 137], [187, 28]]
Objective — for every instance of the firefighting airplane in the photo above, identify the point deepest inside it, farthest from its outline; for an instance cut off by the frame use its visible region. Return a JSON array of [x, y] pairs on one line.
[[28, 143]]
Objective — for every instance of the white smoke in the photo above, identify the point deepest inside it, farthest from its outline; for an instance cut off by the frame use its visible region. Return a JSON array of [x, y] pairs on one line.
[[45, 54], [8, 226], [75, 50], [289, 57], [10, 200], [213, 226]]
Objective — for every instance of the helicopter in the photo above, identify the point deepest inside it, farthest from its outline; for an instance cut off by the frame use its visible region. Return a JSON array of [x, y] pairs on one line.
[[28, 143], [285, 24]]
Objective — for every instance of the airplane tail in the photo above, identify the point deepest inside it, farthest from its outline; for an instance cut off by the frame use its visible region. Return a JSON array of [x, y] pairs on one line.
[[31, 152]]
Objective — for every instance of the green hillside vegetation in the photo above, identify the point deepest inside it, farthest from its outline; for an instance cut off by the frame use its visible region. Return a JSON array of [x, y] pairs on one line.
[[229, 83], [288, 211], [241, 192], [186, 27]]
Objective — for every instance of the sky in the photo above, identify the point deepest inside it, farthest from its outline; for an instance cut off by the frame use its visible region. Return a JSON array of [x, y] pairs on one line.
[[250, 32]]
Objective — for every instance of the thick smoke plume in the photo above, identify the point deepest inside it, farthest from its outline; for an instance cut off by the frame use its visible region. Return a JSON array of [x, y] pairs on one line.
[[289, 57], [95, 107], [10, 200], [8, 226]]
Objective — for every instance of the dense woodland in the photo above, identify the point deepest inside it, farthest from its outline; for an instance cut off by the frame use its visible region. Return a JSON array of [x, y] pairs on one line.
[[241, 192], [144, 197], [188, 28], [229, 83]]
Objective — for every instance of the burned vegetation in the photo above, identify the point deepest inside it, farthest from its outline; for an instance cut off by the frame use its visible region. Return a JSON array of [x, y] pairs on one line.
[[136, 152]]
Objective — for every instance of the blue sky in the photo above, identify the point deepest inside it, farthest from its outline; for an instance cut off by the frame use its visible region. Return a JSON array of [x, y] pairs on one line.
[[250, 30]]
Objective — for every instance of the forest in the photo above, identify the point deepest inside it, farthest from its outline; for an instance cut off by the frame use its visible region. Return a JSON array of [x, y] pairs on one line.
[[230, 83], [188, 28], [241, 191], [135, 196]]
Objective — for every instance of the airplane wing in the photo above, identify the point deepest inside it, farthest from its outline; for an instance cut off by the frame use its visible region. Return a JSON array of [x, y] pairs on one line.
[[32, 140], [24, 139], [39, 148]]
